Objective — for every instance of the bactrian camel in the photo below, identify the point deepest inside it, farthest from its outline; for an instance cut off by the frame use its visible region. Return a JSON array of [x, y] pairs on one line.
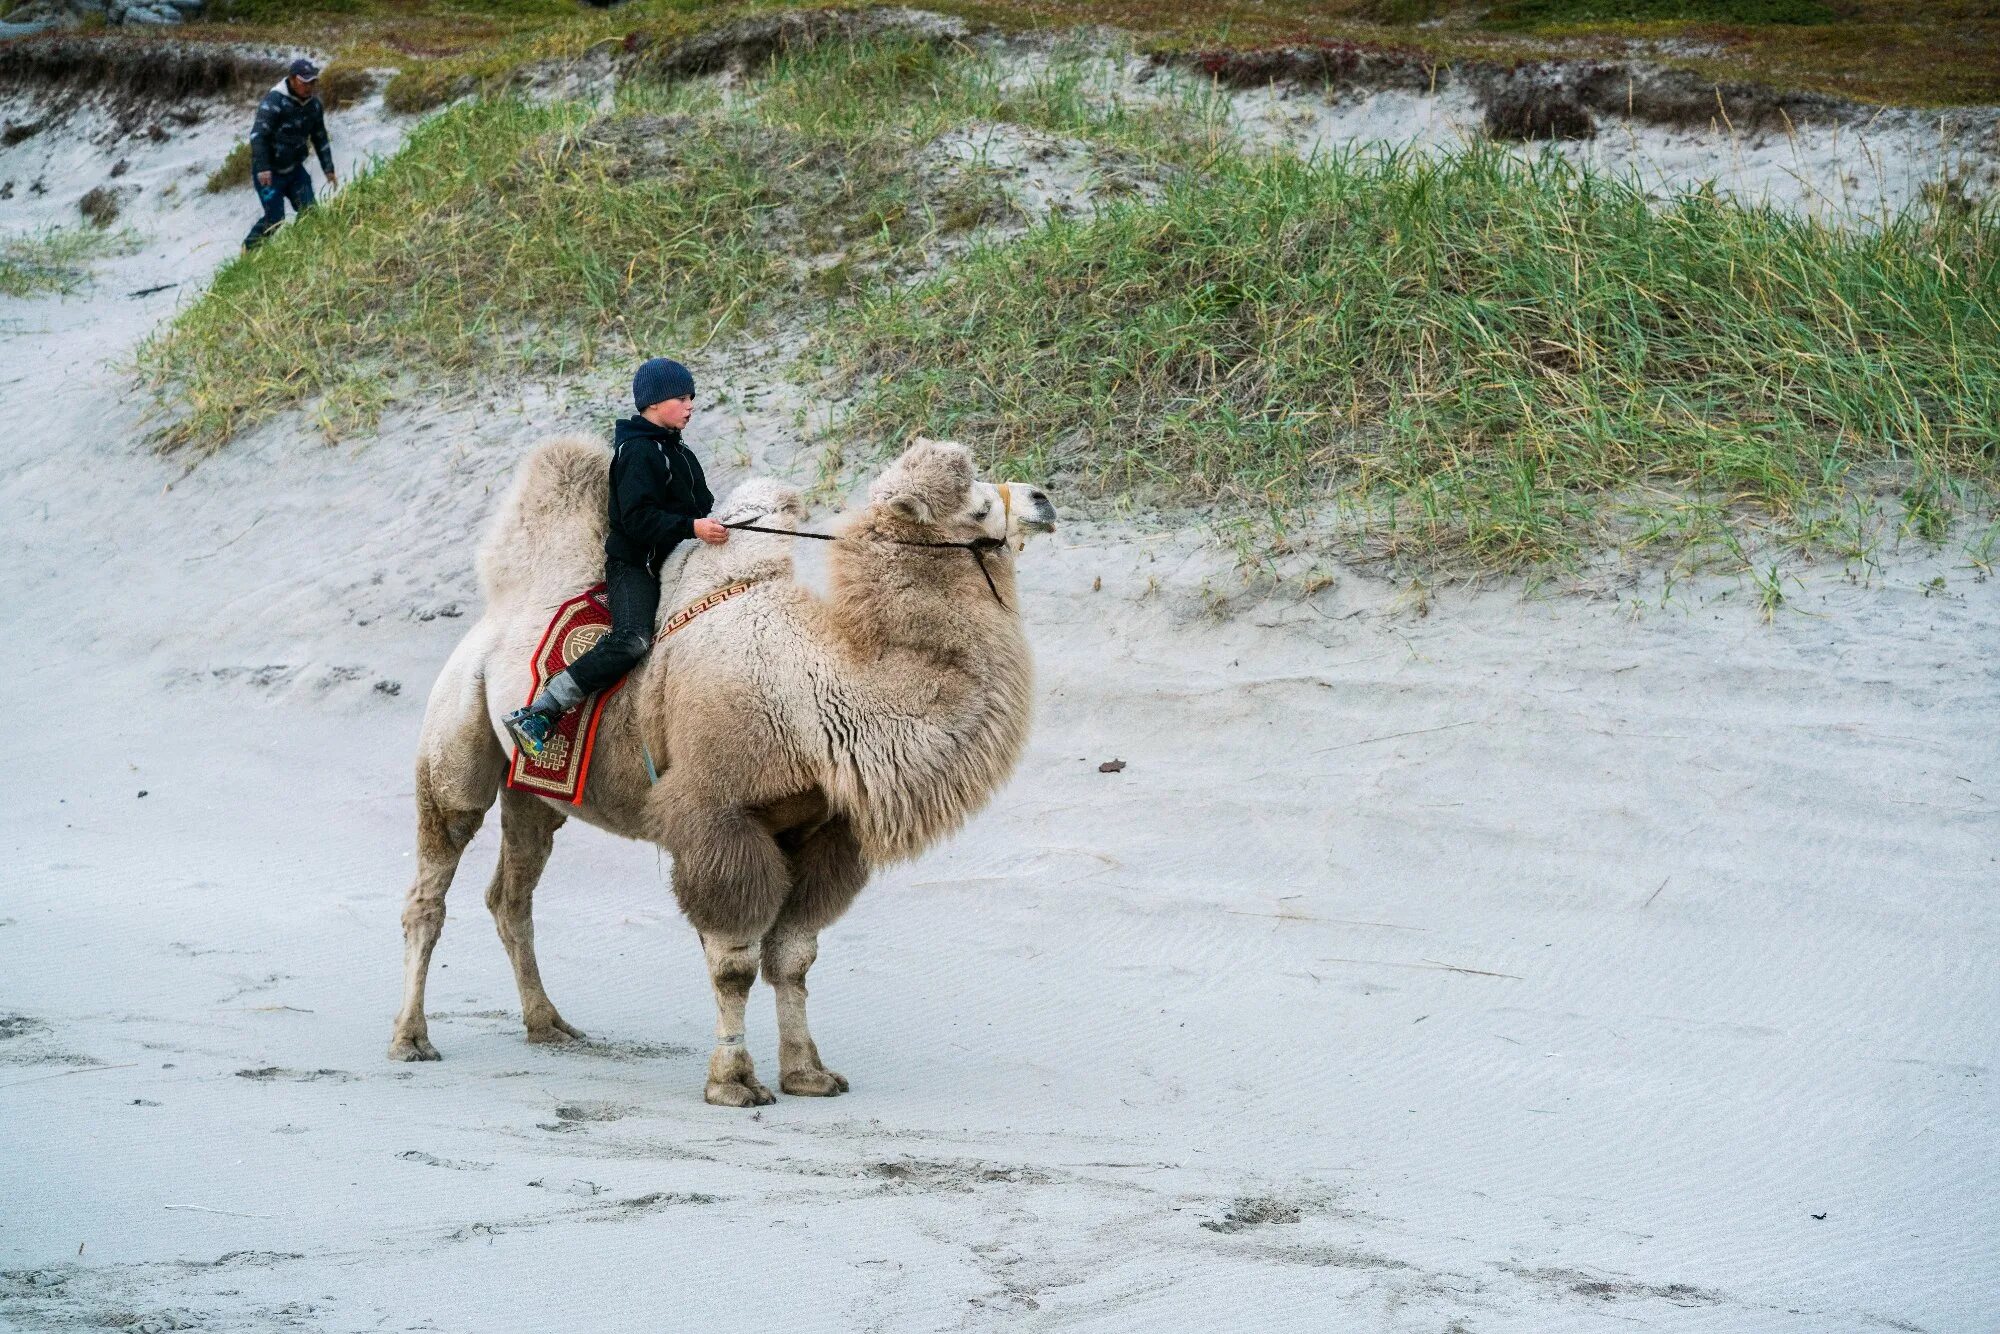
[[800, 740]]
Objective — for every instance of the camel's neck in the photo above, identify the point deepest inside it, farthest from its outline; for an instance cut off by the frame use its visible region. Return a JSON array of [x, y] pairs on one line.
[[951, 603], [941, 667]]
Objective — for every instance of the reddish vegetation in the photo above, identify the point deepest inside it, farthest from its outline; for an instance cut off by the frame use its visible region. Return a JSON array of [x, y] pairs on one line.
[[1317, 61]]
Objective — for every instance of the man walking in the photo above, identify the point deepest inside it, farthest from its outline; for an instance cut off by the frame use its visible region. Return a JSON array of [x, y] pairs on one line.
[[288, 119]]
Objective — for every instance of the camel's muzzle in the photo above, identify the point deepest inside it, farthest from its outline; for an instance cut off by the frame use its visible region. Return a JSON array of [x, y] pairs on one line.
[[1037, 514]]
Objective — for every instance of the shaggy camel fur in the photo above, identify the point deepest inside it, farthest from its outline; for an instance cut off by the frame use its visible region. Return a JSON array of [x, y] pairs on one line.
[[800, 741]]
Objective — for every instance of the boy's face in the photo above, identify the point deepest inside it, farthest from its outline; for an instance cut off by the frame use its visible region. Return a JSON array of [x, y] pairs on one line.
[[672, 413]]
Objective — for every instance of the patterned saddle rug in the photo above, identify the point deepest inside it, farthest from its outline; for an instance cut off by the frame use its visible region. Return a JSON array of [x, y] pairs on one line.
[[565, 764], [573, 631]]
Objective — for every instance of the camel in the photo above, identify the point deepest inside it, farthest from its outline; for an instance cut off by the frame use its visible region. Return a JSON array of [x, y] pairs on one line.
[[800, 740]]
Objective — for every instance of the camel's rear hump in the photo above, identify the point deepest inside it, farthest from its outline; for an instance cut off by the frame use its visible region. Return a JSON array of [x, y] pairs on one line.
[[547, 540]]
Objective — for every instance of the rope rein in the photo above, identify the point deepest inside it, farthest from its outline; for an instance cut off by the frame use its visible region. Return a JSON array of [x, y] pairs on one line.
[[978, 546]]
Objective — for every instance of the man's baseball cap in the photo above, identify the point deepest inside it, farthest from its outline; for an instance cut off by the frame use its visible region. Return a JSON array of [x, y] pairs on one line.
[[303, 70]]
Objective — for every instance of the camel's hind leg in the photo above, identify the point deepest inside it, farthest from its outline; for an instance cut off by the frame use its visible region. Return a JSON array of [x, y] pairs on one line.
[[828, 871], [527, 831], [446, 822]]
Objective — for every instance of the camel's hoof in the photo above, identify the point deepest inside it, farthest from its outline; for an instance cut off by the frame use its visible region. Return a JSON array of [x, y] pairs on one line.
[[412, 1049], [813, 1083], [743, 1091], [557, 1031]]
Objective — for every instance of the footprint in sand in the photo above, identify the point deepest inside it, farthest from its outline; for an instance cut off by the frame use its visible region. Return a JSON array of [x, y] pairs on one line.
[[432, 1160]]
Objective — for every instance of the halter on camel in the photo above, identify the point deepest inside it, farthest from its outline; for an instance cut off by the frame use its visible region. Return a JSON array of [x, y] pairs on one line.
[[978, 546]]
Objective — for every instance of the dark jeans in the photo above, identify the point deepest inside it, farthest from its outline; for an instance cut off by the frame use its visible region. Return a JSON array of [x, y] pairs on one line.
[[294, 185], [634, 595]]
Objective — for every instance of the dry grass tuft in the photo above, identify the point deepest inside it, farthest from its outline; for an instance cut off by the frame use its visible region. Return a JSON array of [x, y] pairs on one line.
[[100, 206], [233, 174]]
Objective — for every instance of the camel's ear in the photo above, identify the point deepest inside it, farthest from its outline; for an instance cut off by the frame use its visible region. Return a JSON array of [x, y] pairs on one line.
[[911, 508]]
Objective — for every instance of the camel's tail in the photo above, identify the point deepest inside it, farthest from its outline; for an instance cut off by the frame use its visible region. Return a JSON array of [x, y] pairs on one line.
[[547, 540]]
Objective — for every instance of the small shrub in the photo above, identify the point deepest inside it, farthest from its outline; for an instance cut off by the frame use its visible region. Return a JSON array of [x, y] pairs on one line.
[[100, 205], [344, 85], [233, 173], [1528, 115]]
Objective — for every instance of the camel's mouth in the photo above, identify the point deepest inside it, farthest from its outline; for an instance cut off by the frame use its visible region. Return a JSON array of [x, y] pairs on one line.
[[1032, 512]]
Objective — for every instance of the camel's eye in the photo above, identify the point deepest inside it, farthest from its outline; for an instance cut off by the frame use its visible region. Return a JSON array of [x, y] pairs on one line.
[[984, 510]]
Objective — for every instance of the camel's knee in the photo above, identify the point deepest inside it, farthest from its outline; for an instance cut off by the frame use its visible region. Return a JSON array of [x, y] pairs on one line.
[[732, 965], [788, 956], [510, 897], [441, 831], [423, 915]]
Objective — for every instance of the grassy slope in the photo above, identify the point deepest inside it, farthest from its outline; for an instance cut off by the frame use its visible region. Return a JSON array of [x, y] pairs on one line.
[[1478, 352], [1495, 363], [524, 236]]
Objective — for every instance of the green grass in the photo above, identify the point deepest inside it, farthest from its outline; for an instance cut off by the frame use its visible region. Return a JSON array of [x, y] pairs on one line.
[[863, 90], [532, 238], [1487, 358], [233, 173], [55, 259], [1477, 360], [520, 237]]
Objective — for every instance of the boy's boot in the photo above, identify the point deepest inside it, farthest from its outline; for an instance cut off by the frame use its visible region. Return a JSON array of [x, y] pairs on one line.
[[530, 727]]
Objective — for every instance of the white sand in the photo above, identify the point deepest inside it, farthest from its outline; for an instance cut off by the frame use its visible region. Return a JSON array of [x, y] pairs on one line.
[[1530, 965]]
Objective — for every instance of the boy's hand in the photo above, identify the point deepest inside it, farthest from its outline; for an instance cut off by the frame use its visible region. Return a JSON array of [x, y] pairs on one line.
[[711, 532]]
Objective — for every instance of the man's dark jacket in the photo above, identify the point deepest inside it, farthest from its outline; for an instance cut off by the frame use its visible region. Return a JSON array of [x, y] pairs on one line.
[[657, 492], [284, 127]]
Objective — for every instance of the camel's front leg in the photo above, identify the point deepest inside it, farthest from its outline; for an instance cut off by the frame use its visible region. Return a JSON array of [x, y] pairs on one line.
[[732, 1080], [789, 950]]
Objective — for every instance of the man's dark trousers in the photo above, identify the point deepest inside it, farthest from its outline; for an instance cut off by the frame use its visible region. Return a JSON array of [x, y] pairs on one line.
[[634, 594], [294, 185]]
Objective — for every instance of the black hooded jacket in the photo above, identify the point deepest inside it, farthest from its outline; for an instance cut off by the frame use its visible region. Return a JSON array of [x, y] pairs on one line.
[[657, 492], [284, 128]]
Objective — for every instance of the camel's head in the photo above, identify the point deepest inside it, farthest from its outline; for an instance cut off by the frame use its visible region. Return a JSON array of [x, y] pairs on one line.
[[932, 486]]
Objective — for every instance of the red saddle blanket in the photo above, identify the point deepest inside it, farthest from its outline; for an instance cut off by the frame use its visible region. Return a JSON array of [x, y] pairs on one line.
[[565, 764], [573, 631]]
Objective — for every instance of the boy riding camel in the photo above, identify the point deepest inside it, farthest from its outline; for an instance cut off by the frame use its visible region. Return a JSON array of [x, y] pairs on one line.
[[659, 499]]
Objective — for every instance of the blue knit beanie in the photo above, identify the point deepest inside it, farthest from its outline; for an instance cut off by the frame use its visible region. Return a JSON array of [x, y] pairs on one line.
[[659, 380]]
